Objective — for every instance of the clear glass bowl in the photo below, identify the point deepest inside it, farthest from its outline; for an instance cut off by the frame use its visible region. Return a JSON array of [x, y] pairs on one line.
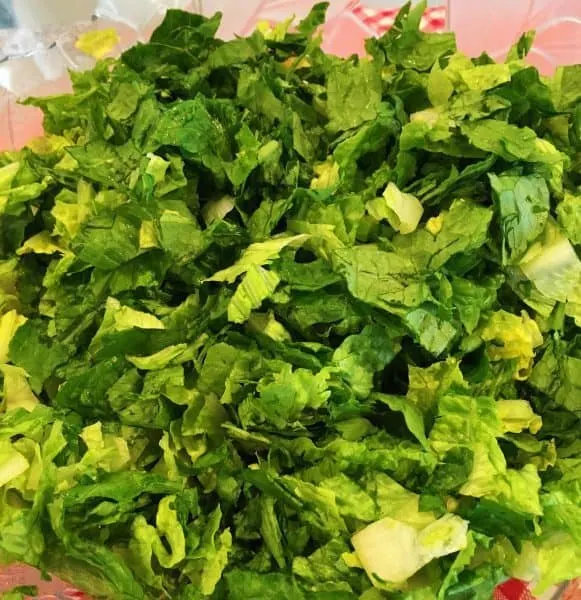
[[35, 56], [36, 63], [493, 25]]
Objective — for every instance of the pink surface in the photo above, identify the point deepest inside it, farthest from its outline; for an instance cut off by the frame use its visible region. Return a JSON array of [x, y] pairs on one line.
[[494, 25], [50, 590]]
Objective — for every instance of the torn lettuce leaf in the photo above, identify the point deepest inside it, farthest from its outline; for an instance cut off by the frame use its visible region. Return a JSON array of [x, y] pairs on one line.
[[402, 211], [391, 551]]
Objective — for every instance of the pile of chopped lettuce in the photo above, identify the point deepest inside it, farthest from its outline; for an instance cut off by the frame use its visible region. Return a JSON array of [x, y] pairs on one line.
[[277, 324]]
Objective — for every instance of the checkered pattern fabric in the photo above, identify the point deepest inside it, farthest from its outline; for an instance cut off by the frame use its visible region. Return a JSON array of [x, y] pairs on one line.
[[513, 590], [381, 20], [518, 590]]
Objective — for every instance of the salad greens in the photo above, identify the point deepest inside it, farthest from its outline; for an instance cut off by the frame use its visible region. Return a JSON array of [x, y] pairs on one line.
[[277, 324]]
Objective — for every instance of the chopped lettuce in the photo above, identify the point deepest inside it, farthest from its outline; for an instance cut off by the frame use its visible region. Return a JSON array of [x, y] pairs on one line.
[[278, 324], [402, 211], [512, 337], [391, 551]]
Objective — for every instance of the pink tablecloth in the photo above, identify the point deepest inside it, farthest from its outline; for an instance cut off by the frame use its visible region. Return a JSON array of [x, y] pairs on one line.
[[49, 590]]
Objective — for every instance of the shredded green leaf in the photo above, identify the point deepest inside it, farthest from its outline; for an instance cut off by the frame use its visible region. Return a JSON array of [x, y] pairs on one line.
[[276, 324]]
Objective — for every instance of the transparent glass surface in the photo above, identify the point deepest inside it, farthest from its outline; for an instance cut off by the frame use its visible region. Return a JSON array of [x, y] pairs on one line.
[[493, 25], [37, 49], [36, 55]]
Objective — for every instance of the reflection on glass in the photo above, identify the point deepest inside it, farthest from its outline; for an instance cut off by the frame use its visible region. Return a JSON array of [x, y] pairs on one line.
[[557, 22], [6, 14]]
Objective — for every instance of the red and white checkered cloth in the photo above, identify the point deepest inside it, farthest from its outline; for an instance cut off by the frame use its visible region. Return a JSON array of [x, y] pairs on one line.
[[434, 19], [518, 590], [513, 590]]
